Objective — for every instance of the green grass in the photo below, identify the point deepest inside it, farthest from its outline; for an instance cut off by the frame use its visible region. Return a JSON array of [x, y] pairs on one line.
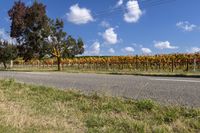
[[26, 108], [177, 73]]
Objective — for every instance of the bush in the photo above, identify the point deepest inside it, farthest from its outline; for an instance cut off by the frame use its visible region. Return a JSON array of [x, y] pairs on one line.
[[147, 105], [170, 116]]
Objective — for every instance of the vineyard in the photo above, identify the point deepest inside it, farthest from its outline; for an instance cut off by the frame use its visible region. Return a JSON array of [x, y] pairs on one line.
[[157, 63]]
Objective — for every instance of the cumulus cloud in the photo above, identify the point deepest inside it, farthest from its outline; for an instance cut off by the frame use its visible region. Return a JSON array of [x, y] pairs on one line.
[[164, 45], [128, 49], [119, 3], [6, 37], [78, 15], [186, 26], [195, 50], [133, 13], [105, 24], [94, 49], [146, 50], [110, 36], [111, 51]]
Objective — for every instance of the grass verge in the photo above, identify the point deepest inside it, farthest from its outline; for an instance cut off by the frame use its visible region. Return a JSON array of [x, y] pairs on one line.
[[27, 108], [112, 72]]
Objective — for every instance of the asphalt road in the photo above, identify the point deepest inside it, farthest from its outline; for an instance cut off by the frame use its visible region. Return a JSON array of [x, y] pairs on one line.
[[167, 90]]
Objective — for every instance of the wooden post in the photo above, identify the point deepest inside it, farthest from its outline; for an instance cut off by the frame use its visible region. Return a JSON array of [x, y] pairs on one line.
[[195, 63], [172, 65], [187, 69], [147, 65], [136, 62]]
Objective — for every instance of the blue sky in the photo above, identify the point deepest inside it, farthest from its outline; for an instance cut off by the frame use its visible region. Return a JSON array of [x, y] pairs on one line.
[[124, 27]]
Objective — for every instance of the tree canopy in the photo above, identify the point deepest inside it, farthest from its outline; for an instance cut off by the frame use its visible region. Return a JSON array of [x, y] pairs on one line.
[[29, 26], [8, 52]]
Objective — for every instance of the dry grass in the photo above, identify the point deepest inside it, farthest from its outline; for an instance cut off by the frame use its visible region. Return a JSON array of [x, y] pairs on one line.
[[25, 108], [177, 73], [19, 115]]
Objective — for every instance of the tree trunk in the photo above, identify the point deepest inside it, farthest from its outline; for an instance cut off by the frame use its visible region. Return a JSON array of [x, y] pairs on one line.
[[59, 63], [11, 64], [5, 66]]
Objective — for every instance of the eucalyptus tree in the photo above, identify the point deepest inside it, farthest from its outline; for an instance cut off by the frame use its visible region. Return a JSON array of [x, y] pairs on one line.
[[29, 26], [60, 45]]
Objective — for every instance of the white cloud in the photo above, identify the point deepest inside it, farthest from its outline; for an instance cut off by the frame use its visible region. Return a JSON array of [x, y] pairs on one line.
[[195, 50], [79, 15], [134, 44], [164, 45], [6, 37], [133, 13], [128, 49], [105, 24], [94, 49], [146, 50], [119, 3], [111, 51], [110, 36], [186, 26]]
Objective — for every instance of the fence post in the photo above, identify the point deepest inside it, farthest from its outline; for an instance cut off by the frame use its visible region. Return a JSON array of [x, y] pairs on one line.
[[136, 62], [195, 63], [147, 65], [172, 65], [187, 69]]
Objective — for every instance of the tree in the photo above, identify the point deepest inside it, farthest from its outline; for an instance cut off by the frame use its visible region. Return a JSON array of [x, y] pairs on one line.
[[17, 15], [62, 46], [38, 36], [8, 52], [30, 28]]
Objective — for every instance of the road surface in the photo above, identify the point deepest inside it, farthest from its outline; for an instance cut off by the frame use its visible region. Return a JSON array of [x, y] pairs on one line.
[[170, 90]]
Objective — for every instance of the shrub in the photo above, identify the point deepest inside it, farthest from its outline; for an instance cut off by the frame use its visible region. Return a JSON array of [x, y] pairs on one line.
[[170, 115], [147, 105]]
